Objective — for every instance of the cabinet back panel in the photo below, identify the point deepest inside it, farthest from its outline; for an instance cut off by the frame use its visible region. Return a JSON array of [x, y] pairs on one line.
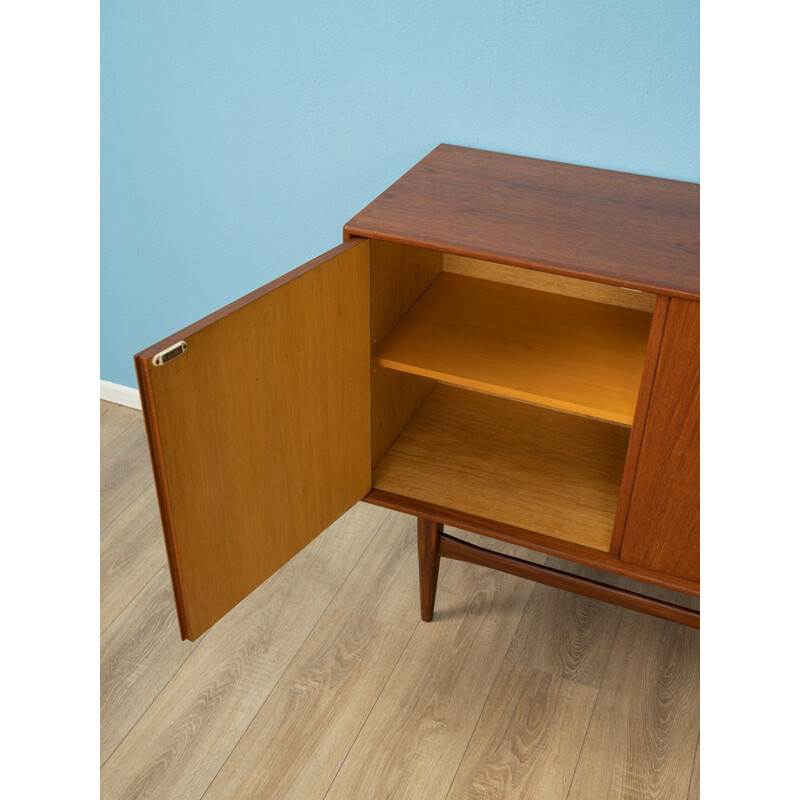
[[548, 282]]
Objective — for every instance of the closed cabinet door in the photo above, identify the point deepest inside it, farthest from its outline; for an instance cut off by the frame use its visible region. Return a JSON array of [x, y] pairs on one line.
[[662, 529], [258, 424]]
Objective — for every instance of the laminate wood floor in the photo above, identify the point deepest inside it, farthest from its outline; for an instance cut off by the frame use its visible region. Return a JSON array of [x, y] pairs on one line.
[[325, 684]]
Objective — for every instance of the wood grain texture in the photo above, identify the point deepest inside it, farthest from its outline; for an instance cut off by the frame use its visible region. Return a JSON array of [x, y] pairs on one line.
[[662, 529], [566, 634], [610, 227], [643, 733], [414, 738], [114, 419], [548, 282], [395, 398], [556, 351], [295, 744], [528, 738], [139, 652], [639, 419], [131, 552], [181, 741], [451, 547], [260, 431], [124, 471], [398, 276], [694, 784], [540, 470]]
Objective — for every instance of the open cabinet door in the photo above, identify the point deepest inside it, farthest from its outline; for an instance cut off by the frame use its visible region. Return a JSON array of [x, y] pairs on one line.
[[259, 429]]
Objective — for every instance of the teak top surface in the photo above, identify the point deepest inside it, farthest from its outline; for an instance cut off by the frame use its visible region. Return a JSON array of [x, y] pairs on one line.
[[612, 227]]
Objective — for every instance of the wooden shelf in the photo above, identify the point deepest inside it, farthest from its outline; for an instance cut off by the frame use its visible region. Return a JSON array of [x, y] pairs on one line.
[[560, 352], [551, 473]]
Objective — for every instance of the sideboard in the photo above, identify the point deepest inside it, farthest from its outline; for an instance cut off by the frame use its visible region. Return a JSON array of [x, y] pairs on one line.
[[503, 345]]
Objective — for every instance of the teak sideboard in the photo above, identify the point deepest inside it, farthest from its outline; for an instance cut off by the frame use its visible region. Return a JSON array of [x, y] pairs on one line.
[[502, 344]]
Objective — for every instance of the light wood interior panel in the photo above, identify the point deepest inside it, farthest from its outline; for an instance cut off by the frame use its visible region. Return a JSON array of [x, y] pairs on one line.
[[551, 473], [637, 429], [561, 352], [548, 282], [398, 276], [260, 431], [396, 397]]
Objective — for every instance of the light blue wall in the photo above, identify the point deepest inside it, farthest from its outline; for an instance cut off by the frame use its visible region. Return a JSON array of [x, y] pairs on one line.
[[238, 136]]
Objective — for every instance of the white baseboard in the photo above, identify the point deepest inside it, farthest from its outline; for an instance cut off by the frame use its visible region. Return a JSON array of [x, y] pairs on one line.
[[119, 394]]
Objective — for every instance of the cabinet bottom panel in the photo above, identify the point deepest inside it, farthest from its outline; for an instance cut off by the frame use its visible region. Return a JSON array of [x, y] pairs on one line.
[[555, 474]]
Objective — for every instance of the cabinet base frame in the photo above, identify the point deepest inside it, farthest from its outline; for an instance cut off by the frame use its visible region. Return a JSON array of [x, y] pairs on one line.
[[434, 544], [524, 538]]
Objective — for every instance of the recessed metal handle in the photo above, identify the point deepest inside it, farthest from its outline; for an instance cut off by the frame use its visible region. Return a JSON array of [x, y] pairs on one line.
[[171, 352]]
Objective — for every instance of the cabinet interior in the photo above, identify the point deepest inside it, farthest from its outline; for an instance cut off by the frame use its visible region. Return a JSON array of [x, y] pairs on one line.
[[503, 392]]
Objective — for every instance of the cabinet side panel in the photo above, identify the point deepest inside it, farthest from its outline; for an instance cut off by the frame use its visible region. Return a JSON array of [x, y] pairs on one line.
[[396, 397], [639, 419], [399, 274], [662, 530]]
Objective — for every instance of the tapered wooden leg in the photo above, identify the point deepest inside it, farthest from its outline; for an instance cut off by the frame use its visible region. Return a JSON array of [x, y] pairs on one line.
[[428, 538]]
